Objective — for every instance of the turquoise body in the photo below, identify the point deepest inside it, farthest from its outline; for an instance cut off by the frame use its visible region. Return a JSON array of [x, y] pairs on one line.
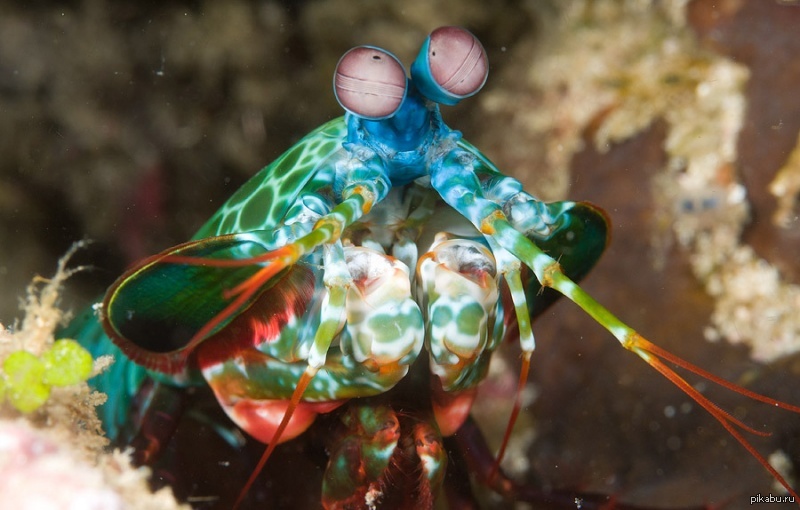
[[374, 241], [262, 205]]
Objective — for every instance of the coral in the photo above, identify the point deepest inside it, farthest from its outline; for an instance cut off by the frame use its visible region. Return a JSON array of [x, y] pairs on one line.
[[36, 471], [653, 70], [786, 188], [52, 448]]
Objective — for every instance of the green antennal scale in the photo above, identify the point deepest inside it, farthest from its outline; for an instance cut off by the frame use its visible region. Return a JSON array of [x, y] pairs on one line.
[[381, 251]]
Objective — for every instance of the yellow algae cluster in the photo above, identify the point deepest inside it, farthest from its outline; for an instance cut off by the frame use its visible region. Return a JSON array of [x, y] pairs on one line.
[[26, 379], [610, 69]]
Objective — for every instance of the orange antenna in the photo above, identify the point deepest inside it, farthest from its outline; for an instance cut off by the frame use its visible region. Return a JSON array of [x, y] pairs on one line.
[[653, 355], [240, 294], [523, 378]]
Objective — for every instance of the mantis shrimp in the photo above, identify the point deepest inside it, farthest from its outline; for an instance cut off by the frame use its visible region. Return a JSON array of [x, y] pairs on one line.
[[370, 271]]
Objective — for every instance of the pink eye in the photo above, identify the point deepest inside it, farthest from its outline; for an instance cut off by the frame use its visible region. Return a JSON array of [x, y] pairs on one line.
[[369, 82], [457, 61]]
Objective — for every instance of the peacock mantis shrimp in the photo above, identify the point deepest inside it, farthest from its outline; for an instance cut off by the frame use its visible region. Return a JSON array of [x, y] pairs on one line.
[[381, 252]]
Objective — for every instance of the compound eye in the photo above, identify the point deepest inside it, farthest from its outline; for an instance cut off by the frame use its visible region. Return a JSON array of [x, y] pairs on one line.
[[370, 82], [451, 65]]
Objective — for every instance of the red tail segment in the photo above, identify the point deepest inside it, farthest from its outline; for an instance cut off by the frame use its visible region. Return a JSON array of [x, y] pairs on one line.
[[302, 384]]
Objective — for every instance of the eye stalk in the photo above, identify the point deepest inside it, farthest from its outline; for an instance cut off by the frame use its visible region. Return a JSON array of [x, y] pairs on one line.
[[370, 82], [450, 66]]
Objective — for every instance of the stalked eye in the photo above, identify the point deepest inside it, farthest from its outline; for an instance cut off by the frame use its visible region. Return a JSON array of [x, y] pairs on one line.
[[370, 82], [450, 66]]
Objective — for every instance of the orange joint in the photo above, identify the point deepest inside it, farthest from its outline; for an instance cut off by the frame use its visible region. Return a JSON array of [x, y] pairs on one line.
[[549, 271], [487, 224], [334, 226], [366, 194]]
